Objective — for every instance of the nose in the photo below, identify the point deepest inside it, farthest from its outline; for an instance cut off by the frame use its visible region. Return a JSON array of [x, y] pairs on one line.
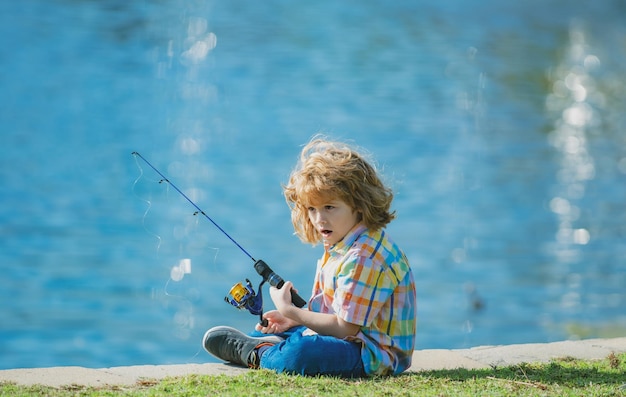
[[319, 218]]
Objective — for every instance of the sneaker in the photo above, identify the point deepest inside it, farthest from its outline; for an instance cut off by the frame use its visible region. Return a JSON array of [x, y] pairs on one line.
[[231, 345]]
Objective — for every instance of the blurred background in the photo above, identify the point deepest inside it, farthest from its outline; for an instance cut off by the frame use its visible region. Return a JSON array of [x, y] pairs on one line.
[[499, 125]]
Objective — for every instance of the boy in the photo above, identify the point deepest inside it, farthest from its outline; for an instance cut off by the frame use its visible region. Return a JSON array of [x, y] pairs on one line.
[[360, 319]]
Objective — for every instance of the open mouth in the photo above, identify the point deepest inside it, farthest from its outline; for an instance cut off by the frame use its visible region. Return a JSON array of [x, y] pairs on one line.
[[326, 233]]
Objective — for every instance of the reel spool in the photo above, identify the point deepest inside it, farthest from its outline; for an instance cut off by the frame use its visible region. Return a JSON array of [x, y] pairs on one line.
[[243, 297]]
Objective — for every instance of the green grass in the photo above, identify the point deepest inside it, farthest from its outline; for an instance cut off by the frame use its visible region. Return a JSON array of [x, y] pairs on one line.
[[564, 377]]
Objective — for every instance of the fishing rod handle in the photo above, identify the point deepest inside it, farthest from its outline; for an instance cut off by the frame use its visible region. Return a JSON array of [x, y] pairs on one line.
[[297, 299], [276, 281]]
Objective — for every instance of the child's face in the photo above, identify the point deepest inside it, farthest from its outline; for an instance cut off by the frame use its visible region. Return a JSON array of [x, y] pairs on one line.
[[333, 219]]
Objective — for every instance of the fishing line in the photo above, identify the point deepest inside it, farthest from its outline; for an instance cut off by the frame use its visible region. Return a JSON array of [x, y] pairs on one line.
[[199, 210], [148, 207], [177, 270]]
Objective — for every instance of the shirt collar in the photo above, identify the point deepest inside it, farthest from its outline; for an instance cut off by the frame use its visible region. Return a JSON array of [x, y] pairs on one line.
[[349, 239]]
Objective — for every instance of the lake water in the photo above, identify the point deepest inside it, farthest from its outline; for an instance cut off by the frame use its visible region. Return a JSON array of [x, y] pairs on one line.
[[499, 125]]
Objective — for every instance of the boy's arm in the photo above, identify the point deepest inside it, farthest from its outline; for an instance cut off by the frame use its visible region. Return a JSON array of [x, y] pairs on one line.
[[322, 323]]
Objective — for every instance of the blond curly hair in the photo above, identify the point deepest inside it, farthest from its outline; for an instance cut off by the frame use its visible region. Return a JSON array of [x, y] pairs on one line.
[[330, 170]]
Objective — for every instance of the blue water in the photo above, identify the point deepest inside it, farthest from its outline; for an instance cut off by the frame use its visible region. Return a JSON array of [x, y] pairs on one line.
[[499, 125]]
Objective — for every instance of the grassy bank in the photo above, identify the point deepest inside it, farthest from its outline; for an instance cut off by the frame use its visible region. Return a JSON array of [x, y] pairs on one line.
[[564, 377]]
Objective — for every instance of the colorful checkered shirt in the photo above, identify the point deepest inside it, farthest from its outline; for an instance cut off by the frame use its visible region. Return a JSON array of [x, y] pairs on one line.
[[365, 279]]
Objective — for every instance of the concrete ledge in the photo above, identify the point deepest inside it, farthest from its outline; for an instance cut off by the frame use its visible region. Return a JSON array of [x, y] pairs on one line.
[[122, 376], [423, 360], [432, 360], [545, 352]]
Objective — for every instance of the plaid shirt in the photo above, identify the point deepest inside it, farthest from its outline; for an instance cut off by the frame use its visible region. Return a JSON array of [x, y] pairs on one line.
[[365, 279]]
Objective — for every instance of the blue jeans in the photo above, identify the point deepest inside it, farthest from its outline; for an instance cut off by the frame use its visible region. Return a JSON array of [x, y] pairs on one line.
[[313, 355]]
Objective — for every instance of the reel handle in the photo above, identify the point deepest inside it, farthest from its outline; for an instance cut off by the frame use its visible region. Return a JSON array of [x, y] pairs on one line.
[[276, 281]]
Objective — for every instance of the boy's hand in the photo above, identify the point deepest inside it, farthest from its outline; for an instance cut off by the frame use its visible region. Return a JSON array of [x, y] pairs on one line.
[[282, 297], [322, 323], [276, 323]]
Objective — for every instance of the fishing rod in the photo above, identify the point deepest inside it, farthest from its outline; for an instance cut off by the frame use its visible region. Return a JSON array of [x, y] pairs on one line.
[[240, 296]]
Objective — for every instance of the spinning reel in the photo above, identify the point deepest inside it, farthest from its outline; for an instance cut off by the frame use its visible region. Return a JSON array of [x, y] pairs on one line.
[[243, 296]]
